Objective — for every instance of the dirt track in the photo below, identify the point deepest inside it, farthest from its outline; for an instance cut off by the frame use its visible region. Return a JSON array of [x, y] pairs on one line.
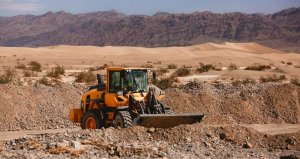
[[271, 129]]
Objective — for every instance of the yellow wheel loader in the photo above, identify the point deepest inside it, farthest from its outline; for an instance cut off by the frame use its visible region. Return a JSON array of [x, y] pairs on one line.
[[124, 100]]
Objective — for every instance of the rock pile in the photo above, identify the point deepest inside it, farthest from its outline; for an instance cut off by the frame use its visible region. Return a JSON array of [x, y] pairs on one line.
[[227, 104], [37, 107]]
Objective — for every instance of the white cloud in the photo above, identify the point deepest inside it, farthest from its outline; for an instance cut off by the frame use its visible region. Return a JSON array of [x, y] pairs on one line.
[[18, 6]]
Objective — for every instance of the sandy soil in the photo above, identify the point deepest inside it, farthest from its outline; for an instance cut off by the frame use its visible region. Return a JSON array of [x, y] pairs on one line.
[[242, 54]]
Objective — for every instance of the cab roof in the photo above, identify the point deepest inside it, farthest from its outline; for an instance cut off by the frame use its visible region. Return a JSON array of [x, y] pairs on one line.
[[121, 68]]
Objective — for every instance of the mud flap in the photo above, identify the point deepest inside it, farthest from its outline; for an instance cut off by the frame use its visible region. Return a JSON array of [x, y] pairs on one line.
[[167, 120]]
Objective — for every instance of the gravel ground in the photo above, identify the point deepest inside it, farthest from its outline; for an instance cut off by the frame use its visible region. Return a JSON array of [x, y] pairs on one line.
[[218, 136], [186, 141]]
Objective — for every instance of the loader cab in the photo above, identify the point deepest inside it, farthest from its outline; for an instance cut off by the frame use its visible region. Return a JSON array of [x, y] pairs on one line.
[[126, 80]]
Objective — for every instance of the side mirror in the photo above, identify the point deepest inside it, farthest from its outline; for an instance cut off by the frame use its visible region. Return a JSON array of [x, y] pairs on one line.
[[100, 79], [154, 75]]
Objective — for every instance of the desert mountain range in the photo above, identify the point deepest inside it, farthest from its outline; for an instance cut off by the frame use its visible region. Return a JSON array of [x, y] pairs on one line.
[[280, 30]]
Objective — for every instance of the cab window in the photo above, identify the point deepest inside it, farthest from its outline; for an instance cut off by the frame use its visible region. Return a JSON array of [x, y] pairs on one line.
[[114, 82]]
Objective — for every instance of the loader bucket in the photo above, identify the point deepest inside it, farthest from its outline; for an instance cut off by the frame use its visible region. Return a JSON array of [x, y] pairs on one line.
[[168, 120]]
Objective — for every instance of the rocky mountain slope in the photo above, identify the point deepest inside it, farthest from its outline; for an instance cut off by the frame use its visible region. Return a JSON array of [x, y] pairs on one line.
[[280, 30]]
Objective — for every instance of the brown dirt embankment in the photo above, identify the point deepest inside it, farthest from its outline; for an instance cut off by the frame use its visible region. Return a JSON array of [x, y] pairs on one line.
[[226, 104], [37, 107]]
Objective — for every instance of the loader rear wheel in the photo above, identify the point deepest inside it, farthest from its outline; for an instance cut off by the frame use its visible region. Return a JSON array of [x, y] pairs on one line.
[[123, 119], [91, 120]]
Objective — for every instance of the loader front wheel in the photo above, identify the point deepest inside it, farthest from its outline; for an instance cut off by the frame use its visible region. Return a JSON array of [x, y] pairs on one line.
[[90, 121], [123, 119]]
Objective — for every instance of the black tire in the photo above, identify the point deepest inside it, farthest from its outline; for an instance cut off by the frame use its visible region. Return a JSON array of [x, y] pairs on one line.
[[123, 119], [91, 116]]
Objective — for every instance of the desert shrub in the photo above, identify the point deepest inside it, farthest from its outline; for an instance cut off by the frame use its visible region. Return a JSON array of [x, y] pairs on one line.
[[8, 76], [273, 78], [181, 72], [162, 71], [172, 66], [87, 77], [20, 66], [246, 81], [187, 66], [257, 67], [165, 83], [232, 67], [56, 71], [147, 65], [298, 66], [205, 68], [289, 63], [282, 62], [201, 64], [35, 66], [103, 67], [279, 70], [92, 69], [28, 73], [295, 81], [44, 81]]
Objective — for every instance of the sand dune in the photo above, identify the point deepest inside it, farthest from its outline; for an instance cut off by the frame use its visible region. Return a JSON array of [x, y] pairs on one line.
[[242, 54]]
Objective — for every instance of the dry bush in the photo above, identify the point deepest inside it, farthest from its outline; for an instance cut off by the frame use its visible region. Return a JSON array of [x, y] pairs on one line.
[[172, 66], [35, 66], [56, 71], [157, 63], [258, 67], [103, 67], [92, 69], [147, 65], [181, 72], [298, 66], [273, 78], [33, 144], [279, 70], [62, 150], [232, 67], [187, 66], [246, 81], [8, 76], [162, 71], [206, 68], [20, 66], [295, 81], [28, 73], [165, 83], [289, 63], [87, 77], [44, 81]]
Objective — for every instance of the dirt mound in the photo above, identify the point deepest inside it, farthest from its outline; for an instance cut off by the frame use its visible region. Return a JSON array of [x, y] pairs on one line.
[[43, 107], [37, 107], [227, 104]]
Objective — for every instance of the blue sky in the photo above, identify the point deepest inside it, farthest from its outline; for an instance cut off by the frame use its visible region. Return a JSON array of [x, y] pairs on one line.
[[147, 7]]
